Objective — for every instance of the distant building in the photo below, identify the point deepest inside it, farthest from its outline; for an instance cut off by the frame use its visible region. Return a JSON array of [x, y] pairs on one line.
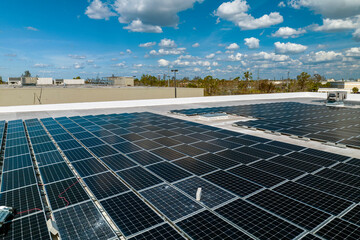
[[15, 81], [44, 81], [345, 85], [74, 81], [120, 81], [22, 81]]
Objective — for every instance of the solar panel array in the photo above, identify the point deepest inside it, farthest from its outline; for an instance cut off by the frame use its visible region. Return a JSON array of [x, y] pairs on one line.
[[317, 122], [142, 170]]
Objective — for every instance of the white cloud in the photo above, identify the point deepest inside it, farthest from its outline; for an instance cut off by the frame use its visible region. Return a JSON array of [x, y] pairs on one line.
[[195, 45], [289, 48], [99, 10], [236, 12], [252, 43], [79, 65], [286, 32], [322, 57], [233, 46], [128, 51], [329, 8], [237, 57], [356, 35], [154, 14], [212, 55], [353, 52], [148, 44], [197, 69], [167, 43], [77, 56], [31, 29], [138, 65], [119, 65], [163, 63], [270, 56], [41, 65], [281, 4], [337, 25], [138, 26], [174, 51]]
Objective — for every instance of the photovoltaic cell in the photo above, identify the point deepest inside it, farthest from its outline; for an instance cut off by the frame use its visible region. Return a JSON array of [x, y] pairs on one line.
[[77, 154], [89, 167], [65, 193], [71, 144], [103, 150], [195, 166], [311, 159], [217, 161], [339, 229], [168, 154], [206, 225], [164, 231], [296, 164], [170, 202], [353, 215], [17, 178], [82, 221], [118, 162], [258, 222], [130, 213], [256, 152], [126, 147], [144, 158], [13, 163], [28, 228], [313, 197], [296, 212], [237, 156], [276, 169], [211, 195], [48, 158], [105, 185], [189, 150], [341, 177], [168, 171], [55, 172], [16, 150], [232, 183], [139, 178]]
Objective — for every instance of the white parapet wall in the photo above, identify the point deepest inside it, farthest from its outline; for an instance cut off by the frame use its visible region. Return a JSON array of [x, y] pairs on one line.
[[74, 81], [169, 101]]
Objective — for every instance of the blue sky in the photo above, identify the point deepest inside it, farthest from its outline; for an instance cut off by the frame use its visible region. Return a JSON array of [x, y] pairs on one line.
[[64, 39]]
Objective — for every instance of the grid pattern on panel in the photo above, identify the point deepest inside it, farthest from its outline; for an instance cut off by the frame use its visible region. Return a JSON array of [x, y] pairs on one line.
[[118, 162], [24, 200], [139, 178], [217, 161], [170, 202], [44, 147], [168, 171], [294, 163], [77, 154], [206, 225], [82, 221], [297, 212], [130, 213], [260, 177], [353, 216], [189, 150], [16, 150], [126, 147], [55, 172], [232, 183], [341, 177], [237, 156], [17, 162], [277, 169], [144, 158], [313, 197], [168, 154], [103, 150], [339, 229], [208, 146], [48, 158], [17, 178], [164, 231], [311, 159], [258, 222], [211, 195], [70, 144], [348, 168], [89, 167], [256, 152], [272, 149], [105, 185], [28, 228], [64, 193], [194, 166]]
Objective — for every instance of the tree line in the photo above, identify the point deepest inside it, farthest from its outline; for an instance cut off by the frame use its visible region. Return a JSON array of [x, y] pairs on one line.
[[240, 85]]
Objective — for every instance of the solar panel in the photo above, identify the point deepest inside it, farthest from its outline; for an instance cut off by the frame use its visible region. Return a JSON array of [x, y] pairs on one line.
[[237, 156], [113, 139], [211, 195], [260, 177], [326, 202], [168, 153], [170, 202], [339, 229], [207, 146], [105, 185], [89, 167], [144, 158], [70, 144], [40, 139], [16, 150], [13, 163], [217, 161], [91, 142], [296, 164], [353, 215], [258, 222], [126, 147], [24, 200], [168, 171], [17, 178], [189, 150], [15, 141], [232, 183], [139, 178], [348, 168], [77, 154], [256, 152], [48, 158], [276, 169], [194, 166], [341, 177], [103, 150], [118, 162], [65, 193], [55, 172], [296, 212], [62, 137], [164, 231], [28, 228], [82, 221], [130, 213]]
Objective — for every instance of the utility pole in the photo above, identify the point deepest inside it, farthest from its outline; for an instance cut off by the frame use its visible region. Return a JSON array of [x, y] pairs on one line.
[[175, 71]]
